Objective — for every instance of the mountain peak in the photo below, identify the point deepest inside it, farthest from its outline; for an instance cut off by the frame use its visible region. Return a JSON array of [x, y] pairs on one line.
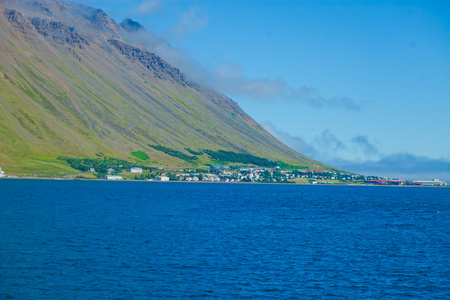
[[131, 26]]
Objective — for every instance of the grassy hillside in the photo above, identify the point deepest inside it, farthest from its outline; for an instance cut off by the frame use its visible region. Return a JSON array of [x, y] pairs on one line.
[[72, 87]]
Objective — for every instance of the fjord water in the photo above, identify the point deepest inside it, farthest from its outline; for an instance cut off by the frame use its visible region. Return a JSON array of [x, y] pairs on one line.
[[142, 240]]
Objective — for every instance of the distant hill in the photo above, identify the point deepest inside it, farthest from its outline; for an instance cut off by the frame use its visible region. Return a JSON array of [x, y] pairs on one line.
[[71, 86]]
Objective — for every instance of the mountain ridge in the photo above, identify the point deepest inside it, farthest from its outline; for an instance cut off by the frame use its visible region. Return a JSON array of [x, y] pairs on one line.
[[73, 86]]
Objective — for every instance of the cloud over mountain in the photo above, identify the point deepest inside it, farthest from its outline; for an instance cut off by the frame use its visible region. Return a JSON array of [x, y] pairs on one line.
[[190, 21], [227, 77], [367, 147], [230, 79]]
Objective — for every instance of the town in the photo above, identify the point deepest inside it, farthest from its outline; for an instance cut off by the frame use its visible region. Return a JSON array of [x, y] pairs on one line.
[[230, 174], [234, 174]]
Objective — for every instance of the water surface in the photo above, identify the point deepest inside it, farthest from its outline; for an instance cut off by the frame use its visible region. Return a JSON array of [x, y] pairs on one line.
[[147, 240]]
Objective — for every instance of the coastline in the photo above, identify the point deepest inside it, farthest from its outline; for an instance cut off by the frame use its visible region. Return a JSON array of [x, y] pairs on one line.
[[226, 183]]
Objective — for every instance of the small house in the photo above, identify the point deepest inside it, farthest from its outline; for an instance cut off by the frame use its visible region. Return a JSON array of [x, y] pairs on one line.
[[135, 170], [113, 177]]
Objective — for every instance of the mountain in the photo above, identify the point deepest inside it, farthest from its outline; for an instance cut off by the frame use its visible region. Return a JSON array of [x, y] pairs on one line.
[[71, 85]]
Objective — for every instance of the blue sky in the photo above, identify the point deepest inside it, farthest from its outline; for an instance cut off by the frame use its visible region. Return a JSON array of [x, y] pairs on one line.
[[359, 85]]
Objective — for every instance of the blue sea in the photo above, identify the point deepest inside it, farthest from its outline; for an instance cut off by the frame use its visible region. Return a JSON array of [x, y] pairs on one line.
[[148, 240]]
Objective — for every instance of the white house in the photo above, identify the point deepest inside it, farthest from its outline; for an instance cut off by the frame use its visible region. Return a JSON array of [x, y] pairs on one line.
[[135, 170], [113, 177], [434, 182], [162, 178], [2, 173], [220, 168]]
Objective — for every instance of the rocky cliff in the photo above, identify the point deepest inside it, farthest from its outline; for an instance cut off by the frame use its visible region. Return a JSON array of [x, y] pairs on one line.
[[158, 67]]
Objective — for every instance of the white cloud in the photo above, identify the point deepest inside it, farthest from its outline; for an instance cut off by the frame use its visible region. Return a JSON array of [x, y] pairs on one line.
[[323, 147], [297, 143], [190, 21], [369, 149], [148, 7], [312, 97], [327, 140], [229, 79]]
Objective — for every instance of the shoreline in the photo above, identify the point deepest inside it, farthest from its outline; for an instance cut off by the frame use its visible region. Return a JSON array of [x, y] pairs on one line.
[[205, 182]]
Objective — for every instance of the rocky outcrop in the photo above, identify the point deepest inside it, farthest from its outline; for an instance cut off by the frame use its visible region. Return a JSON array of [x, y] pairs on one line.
[[17, 20], [59, 32], [154, 63], [55, 31]]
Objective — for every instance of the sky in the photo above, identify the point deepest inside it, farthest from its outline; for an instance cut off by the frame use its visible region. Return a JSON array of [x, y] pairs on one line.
[[360, 85]]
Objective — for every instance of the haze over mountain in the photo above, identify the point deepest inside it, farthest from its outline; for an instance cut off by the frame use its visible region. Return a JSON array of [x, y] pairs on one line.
[[71, 85]]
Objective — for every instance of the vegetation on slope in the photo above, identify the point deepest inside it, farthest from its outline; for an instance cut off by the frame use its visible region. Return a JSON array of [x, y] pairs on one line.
[[140, 155], [175, 153], [193, 151], [100, 165], [243, 158]]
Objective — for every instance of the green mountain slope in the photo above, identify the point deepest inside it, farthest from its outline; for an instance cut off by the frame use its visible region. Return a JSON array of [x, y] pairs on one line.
[[71, 86]]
